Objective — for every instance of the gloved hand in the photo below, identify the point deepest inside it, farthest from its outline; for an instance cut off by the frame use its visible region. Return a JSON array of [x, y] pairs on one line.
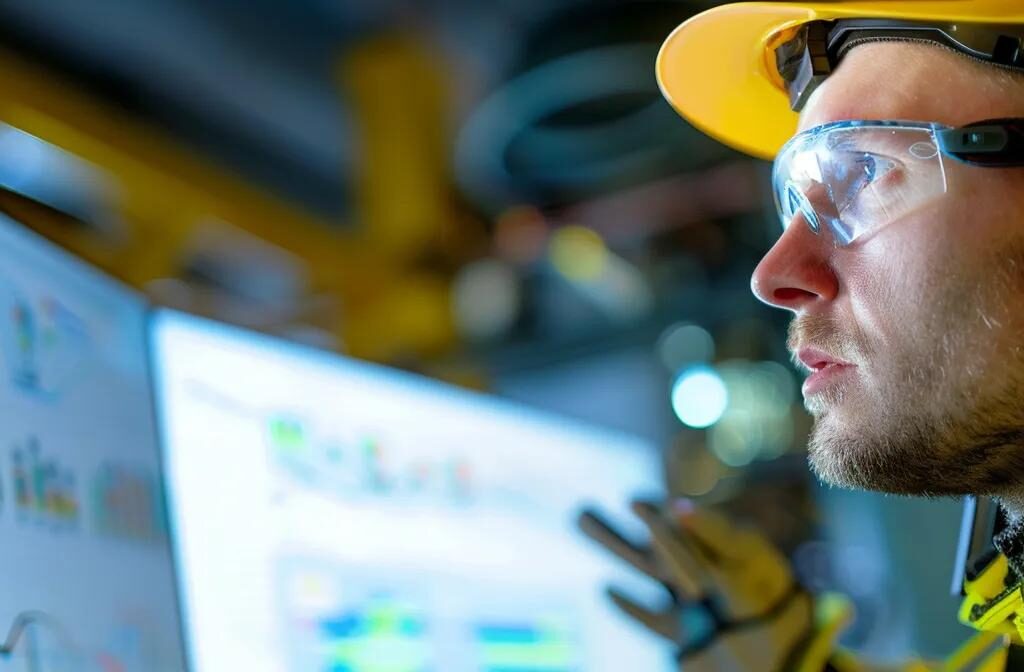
[[733, 603]]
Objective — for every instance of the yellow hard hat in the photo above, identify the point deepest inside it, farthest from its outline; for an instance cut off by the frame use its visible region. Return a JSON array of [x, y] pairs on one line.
[[719, 69]]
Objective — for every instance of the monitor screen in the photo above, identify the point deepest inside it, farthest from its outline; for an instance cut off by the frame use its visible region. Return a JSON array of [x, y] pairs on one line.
[[86, 582], [335, 515]]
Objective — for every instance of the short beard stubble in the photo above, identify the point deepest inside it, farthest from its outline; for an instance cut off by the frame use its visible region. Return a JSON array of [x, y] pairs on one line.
[[950, 419]]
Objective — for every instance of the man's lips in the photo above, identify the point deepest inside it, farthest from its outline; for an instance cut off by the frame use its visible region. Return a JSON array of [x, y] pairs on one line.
[[824, 369], [816, 360]]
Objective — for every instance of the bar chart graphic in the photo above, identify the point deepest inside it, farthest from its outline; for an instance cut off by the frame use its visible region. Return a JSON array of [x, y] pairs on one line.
[[42, 341], [375, 632], [45, 492], [534, 645], [342, 620], [363, 466], [126, 503]]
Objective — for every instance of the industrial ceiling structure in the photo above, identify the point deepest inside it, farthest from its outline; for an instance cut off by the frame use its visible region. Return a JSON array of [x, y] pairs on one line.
[[547, 114]]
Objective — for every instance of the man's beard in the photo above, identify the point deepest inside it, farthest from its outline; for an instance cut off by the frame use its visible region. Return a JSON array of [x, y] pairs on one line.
[[947, 417]]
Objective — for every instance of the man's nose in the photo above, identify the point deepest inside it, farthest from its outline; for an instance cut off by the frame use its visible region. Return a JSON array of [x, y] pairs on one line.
[[796, 273]]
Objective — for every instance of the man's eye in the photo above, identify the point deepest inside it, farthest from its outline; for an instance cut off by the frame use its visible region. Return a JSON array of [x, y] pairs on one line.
[[857, 172], [879, 170], [875, 196], [868, 166]]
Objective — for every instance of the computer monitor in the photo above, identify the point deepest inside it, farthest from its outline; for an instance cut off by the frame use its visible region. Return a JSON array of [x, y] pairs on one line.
[[86, 582], [335, 515]]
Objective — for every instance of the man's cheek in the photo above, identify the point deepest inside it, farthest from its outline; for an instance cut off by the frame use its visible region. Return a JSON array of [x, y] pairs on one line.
[[874, 309]]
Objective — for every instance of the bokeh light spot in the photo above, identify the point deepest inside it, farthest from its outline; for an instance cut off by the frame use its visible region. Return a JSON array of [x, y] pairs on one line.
[[578, 253], [683, 344], [699, 397], [521, 234]]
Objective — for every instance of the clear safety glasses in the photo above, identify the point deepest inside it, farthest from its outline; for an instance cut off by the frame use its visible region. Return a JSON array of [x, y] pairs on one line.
[[850, 178]]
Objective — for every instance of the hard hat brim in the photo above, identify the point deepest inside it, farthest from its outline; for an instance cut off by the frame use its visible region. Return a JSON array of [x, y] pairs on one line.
[[718, 71]]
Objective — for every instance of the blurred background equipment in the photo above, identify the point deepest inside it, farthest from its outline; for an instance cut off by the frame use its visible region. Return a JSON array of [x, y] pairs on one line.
[[578, 114], [494, 194]]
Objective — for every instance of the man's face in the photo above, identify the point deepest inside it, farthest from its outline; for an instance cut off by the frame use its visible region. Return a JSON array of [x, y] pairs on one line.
[[927, 312]]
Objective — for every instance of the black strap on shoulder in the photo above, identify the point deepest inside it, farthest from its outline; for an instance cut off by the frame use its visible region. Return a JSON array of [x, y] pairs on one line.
[[1015, 659]]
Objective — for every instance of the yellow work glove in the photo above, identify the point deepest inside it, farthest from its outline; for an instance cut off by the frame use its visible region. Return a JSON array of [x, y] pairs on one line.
[[733, 603], [994, 601]]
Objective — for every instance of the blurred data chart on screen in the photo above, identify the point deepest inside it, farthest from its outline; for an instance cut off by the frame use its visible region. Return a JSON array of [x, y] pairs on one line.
[[333, 515], [343, 618], [44, 491], [86, 583], [43, 341]]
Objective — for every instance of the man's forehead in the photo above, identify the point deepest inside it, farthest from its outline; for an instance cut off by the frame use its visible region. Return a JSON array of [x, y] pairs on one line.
[[904, 81]]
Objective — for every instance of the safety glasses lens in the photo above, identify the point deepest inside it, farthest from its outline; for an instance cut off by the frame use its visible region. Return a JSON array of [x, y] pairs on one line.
[[852, 179]]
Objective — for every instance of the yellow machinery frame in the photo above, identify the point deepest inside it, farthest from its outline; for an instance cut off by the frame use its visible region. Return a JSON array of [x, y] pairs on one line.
[[389, 310]]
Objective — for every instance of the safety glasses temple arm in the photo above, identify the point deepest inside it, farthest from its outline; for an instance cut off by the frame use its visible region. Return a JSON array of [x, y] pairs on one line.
[[997, 143]]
